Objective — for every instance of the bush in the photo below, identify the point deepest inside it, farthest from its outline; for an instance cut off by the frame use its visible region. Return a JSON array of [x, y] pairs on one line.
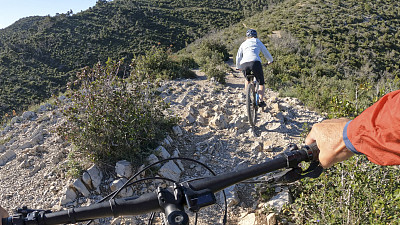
[[211, 51], [109, 119], [211, 56], [215, 72], [187, 62], [157, 64], [352, 192]]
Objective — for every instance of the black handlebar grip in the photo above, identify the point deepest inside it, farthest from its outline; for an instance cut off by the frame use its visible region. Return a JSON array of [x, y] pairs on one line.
[[315, 151]]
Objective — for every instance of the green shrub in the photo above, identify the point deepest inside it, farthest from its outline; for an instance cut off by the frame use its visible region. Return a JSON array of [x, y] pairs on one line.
[[73, 165], [187, 62], [211, 51], [352, 192], [157, 64], [216, 74], [109, 119], [211, 56]]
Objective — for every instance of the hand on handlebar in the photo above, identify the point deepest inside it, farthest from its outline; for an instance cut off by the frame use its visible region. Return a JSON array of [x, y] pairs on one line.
[[329, 138], [3, 214], [267, 64]]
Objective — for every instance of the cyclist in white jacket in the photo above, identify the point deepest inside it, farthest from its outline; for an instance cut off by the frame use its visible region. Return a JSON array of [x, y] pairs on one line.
[[248, 59]]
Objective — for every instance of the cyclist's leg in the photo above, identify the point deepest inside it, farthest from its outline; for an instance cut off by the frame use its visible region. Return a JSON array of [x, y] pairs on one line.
[[246, 70], [246, 82], [261, 92], [259, 74]]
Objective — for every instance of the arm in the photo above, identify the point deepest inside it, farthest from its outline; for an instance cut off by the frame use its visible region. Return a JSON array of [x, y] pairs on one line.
[[375, 133], [239, 57], [265, 52]]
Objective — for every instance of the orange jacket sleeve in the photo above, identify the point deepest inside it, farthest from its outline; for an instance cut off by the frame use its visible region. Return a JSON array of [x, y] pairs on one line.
[[376, 131]]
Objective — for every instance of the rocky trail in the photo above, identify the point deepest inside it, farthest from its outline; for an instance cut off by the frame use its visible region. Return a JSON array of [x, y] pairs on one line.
[[213, 130]]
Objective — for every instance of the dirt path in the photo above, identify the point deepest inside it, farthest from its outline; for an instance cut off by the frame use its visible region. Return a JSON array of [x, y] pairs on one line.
[[235, 144]]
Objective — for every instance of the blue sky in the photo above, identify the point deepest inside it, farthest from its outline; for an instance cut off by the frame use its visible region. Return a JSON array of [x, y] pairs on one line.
[[13, 10]]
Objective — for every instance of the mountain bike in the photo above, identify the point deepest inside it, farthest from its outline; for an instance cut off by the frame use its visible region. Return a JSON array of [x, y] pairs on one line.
[[252, 98], [172, 201]]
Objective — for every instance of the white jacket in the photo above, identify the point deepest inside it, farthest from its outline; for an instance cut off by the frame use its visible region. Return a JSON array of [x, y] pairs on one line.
[[249, 51]]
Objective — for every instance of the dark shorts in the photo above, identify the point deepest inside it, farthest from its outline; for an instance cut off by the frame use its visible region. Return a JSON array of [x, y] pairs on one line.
[[256, 67]]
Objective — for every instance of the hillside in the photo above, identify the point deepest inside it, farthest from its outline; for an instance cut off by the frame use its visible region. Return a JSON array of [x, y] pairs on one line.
[[339, 65], [38, 55], [336, 56]]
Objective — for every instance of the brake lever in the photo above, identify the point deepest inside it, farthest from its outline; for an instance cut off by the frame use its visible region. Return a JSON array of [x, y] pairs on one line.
[[286, 176], [290, 175], [295, 172], [314, 170]]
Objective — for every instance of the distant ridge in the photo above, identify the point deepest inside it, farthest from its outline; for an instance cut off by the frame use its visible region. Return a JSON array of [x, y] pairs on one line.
[[38, 55]]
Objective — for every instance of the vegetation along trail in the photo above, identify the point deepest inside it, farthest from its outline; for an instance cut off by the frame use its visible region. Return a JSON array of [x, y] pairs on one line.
[[334, 57]]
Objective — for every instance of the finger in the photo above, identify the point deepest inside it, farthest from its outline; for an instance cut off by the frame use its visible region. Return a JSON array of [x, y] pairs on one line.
[[310, 137], [335, 120]]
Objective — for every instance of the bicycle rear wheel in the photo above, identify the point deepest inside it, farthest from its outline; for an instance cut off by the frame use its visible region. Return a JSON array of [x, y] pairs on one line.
[[251, 104]]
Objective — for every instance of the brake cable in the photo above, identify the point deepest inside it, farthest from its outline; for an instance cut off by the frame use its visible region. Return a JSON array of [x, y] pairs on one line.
[[127, 183]]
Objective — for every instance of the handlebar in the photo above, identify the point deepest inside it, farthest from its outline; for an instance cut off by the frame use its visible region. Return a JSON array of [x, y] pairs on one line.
[[195, 194]]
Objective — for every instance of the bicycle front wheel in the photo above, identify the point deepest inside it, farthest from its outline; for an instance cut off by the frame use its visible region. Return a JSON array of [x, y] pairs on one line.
[[251, 104]]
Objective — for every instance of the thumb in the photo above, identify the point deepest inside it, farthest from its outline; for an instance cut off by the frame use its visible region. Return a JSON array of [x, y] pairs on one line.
[[310, 138]]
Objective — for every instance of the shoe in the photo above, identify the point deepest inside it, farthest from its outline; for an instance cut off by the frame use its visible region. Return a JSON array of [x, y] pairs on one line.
[[262, 104]]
